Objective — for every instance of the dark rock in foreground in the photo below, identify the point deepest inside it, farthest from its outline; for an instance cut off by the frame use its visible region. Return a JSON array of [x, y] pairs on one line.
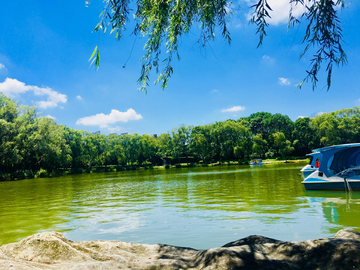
[[52, 250]]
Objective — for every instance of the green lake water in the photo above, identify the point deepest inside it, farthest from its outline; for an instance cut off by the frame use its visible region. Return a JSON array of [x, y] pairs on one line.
[[194, 207]]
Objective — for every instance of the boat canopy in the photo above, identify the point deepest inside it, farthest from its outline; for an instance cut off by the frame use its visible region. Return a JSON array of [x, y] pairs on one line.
[[341, 157], [337, 147], [313, 157]]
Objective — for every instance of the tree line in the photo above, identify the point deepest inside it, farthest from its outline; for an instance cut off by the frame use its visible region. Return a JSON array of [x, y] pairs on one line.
[[32, 145]]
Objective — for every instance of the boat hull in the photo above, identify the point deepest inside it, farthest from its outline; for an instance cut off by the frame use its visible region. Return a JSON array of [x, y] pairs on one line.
[[331, 185], [308, 169], [307, 173]]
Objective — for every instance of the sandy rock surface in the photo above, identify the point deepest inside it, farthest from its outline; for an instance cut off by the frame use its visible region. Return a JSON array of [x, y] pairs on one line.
[[51, 250]]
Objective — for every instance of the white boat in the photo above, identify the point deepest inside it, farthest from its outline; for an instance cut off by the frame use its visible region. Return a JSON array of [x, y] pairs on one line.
[[313, 165], [339, 168]]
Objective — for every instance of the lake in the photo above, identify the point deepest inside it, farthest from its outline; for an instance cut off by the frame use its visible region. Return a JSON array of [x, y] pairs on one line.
[[201, 207]]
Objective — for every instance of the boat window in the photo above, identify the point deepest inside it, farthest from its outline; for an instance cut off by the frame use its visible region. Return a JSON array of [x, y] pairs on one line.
[[358, 160], [331, 159], [353, 158], [338, 161], [311, 159]]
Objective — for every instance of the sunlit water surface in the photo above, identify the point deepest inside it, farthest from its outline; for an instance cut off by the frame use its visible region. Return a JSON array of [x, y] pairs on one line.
[[194, 207]]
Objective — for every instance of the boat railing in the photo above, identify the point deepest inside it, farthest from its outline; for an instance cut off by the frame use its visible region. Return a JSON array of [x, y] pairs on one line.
[[349, 172]]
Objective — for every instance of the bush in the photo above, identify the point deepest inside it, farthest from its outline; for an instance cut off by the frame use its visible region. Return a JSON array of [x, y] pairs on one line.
[[6, 177], [120, 168], [77, 170], [244, 161], [270, 154], [42, 173], [26, 174]]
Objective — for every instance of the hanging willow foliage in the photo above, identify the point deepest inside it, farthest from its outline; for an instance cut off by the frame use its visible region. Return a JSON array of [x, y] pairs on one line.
[[163, 22]]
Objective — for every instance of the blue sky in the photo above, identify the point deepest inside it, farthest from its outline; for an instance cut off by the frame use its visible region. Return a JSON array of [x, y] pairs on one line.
[[45, 47]]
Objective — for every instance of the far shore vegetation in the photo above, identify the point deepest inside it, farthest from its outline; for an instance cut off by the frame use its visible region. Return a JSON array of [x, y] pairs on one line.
[[33, 146]]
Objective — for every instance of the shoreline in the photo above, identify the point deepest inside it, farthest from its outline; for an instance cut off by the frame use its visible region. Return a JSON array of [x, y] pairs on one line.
[[113, 168], [51, 250]]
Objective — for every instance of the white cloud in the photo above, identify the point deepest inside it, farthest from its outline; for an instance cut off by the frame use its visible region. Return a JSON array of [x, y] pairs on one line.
[[116, 129], [268, 60], [234, 109], [319, 113], [12, 88], [280, 11], [49, 116], [103, 120], [78, 97], [284, 81], [3, 69], [214, 91], [301, 116]]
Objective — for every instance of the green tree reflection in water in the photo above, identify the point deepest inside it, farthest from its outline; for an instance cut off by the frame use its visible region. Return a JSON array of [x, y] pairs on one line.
[[197, 207], [341, 209]]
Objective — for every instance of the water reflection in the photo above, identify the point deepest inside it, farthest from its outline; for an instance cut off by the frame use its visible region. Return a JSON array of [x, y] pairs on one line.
[[340, 209], [197, 207]]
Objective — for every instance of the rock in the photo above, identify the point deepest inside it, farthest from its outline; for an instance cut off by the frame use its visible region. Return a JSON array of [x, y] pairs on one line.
[[348, 233], [51, 250]]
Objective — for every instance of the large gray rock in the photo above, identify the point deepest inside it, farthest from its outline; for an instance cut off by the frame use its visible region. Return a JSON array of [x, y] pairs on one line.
[[51, 250]]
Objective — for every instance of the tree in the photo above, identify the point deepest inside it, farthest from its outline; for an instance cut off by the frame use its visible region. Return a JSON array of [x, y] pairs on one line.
[[281, 123], [337, 127], [9, 152], [135, 155], [9, 110], [257, 122], [265, 123], [259, 146], [94, 150], [10, 157], [228, 135], [200, 143], [148, 146], [303, 136], [164, 145], [164, 22], [74, 140], [112, 150], [283, 146], [181, 138], [42, 144], [124, 152]]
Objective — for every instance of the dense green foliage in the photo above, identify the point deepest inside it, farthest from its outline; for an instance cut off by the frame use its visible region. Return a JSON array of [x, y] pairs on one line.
[[31, 145], [164, 22]]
